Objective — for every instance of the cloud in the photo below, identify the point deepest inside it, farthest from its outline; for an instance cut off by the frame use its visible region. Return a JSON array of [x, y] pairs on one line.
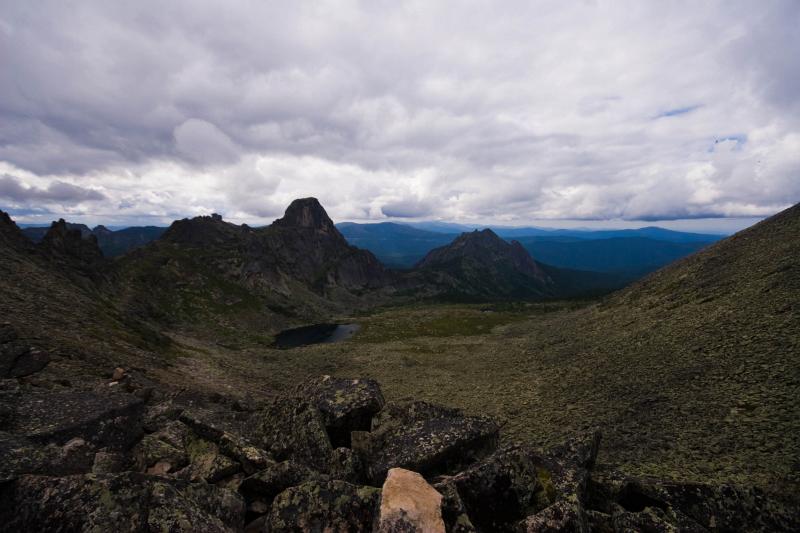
[[407, 208], [678, 111], [476, 112], [202, 142], [57, 192]]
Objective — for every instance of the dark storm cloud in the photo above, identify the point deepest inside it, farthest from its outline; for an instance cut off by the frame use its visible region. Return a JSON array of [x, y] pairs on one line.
[[505, 111]]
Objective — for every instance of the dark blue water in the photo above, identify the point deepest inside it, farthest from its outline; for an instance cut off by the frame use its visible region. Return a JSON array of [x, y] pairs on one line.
[[314, 334]]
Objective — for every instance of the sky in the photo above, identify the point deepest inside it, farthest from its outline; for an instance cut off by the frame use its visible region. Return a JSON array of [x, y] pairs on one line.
[[618, 113]]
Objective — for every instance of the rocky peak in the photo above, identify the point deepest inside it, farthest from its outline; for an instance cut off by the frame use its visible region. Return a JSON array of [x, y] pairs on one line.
[[63, 241], [9, 232], [204, 230], [306, 213]]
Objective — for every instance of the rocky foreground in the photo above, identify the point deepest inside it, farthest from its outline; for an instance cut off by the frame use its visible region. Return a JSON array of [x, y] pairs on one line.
[[127, 454]]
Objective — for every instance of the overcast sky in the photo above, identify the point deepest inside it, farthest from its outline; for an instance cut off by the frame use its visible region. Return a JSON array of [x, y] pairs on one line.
[[604, 112]]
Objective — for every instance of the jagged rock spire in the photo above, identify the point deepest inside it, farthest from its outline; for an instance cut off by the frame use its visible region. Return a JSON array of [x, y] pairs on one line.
[[306, 213]]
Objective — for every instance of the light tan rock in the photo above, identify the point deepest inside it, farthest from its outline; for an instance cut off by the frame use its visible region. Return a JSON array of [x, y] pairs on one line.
[[118, 374], [409, 503]]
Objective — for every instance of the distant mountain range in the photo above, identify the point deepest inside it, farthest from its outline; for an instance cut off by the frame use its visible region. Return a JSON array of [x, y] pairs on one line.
[[628, 253], [112, 243]]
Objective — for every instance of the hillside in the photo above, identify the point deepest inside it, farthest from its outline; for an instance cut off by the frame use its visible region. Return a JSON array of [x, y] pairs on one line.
[[49, 294]]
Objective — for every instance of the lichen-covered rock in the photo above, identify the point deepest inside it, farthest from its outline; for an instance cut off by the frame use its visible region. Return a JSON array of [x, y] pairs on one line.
[[274, 479], [292, 428], [111, 421], [153, 449], [106, 462], [503, 488], [425, 438], [346, 404], [332, 506], [409, 504], [566, 468], [206, 462], [699, 506], [117, 502], [229, 439], [346, 465], [454, 513], [562, 517]]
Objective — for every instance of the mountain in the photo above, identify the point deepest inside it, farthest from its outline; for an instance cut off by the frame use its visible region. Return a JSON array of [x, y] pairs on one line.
[[480, 264], [112, 243], [651, 232], [623, 256], [204, 268]]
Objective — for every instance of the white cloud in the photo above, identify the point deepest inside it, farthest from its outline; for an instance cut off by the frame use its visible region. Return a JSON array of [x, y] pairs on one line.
[[473, 111]]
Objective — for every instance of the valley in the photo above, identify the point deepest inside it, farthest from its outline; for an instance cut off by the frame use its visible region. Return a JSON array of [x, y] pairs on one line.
[[690, 374]]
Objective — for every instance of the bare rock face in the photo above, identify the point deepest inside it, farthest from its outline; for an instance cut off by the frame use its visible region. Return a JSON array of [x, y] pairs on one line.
[[71, 245], [306, 213], [409, 503]]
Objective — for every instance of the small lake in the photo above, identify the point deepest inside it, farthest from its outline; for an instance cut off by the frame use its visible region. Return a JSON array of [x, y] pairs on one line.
[[314, 334]]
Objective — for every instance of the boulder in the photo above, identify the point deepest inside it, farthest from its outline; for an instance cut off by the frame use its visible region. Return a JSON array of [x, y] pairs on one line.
[[425, 438], [18, 359], [503, 488], [206, 462], [568, 466], [164, 446], [292, 428], [117, 502], [561, 517], [229, 439], [346, 405], [109, 463], [110, 421], [454, 513], [346, 465], [691, 506], [274, 479], [409, 504], [332, 506]]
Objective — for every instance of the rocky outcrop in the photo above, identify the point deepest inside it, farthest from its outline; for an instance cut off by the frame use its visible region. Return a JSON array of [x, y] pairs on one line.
[[346, 405], [17, 358], [71, 245], [103, 461], [293, 428]]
